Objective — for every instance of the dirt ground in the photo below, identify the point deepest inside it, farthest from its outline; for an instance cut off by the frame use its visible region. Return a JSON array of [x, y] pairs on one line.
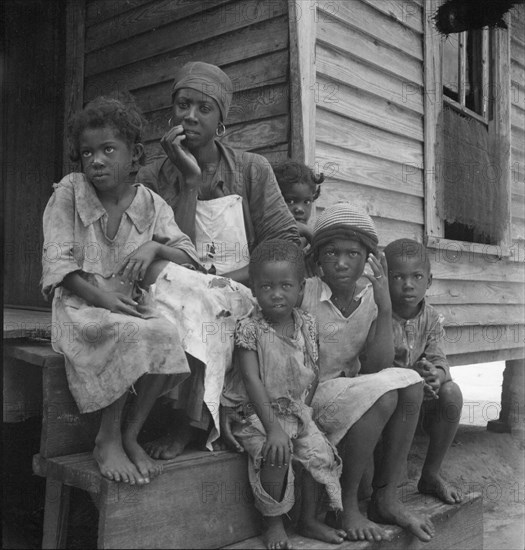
[[479, 461]]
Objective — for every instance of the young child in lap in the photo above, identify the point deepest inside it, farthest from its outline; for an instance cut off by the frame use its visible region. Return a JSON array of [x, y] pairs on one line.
[[101, 233], [358, 398], [417, 331], [272, 383], [300, 187]]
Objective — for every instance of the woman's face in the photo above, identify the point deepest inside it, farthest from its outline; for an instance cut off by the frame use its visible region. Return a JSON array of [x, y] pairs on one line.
[[198, 114], [343, 262]]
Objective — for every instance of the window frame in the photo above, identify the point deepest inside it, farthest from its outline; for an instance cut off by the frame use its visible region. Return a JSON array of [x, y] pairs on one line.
[[499, 123]]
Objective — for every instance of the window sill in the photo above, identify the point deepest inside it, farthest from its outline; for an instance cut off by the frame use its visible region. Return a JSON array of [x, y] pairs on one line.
[[455, 249]]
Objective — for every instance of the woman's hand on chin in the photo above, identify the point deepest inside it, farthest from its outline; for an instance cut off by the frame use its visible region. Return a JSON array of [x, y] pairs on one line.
[[180, 156]]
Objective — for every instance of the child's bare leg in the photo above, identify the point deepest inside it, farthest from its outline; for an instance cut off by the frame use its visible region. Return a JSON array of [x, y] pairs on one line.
[[443, 419], [309, 525], [109, 452], [385, 507], [148, 388], [272, 481], [357, 452]]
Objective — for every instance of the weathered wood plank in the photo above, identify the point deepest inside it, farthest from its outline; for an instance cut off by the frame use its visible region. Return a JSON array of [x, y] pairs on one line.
[[377, 202], [26, 323], [336, 130], [348, 70], [372, 110], [144, 18], [379, 26], [99, 10], [488, 314], [251, 41], [405, 13], [518, 53], [467, 292], [377, 173], [486, 356], [462, 339], [180, 34], [274, 154], [340, 36], [518, 228]]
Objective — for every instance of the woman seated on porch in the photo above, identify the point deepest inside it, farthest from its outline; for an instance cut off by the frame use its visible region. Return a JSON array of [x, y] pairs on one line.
[[227, 201]]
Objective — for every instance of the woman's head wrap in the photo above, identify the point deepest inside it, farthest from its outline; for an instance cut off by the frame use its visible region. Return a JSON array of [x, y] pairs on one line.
[[343, 221], [208, 79]]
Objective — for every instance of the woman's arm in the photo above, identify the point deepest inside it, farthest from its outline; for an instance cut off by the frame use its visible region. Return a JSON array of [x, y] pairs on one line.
[[277, 447], [239, 275]]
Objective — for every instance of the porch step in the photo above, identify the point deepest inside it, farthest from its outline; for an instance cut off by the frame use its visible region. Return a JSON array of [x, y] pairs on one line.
[[201, 500], [458, 527]]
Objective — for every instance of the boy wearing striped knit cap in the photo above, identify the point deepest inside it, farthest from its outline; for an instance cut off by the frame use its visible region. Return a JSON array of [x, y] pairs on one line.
[[354, 313]]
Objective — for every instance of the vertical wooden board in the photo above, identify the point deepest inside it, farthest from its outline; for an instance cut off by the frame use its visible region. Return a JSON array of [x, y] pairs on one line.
[[22, 390]]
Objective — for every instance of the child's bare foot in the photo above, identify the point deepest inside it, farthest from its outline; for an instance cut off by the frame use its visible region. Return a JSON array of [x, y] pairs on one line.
[[385, 507], [147, 467], [320, 531], [437, 486], [114, 463], [274, 535], [169, 446], [357, 527]]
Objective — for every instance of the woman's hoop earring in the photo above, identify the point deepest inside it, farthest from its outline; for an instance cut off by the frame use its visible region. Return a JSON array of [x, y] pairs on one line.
[[221, 130], [169, 122]]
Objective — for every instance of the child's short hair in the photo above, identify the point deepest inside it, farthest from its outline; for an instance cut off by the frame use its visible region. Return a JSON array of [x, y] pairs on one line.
[[407, 248], [290, 172], [118, 110], [277, 250]]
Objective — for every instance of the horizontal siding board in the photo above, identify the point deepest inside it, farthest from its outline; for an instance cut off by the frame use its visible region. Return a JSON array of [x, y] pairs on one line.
[[334, 129], [349, 71], [357, 104], [252, 41], [480, 338], [485, 356], [517, 229], [377, 202], [355, 44], [408, 14], [177, 35], [451, 263], [375, 173], [388, 230], [488, 314], [517, 52], [466, 292], [145, 18], [366, 19], [98, 11]]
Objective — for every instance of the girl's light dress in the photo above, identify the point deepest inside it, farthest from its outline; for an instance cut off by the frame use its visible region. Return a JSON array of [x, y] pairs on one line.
[[287, 368], [343, 395], [106, 352]]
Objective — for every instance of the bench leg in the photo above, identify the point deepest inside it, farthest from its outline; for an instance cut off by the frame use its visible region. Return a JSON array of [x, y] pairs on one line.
[[56, 514]]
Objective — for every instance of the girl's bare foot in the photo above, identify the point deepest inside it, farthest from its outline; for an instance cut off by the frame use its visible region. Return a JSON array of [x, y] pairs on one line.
[[114, 463], [147, 467], [320, 531], [169, 446], [274, 535], [385, 507], [437, 486], [357, 527]]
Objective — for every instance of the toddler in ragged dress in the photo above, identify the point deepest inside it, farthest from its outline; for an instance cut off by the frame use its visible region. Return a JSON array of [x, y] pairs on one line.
[[101, 233]]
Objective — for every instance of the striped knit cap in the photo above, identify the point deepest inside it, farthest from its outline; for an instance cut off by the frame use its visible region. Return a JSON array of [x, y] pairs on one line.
[[344, 221]]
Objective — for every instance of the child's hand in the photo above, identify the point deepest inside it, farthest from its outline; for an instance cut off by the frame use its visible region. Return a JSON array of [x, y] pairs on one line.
[[228, 417], [118, 303], [276, 451], [430, 375], [379, 280], [305, 232], [134, 266], [179, 155]]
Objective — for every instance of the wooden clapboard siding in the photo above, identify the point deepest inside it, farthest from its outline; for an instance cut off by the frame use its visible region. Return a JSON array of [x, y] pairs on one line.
[[517, 152], [138, 45], [369, 142]]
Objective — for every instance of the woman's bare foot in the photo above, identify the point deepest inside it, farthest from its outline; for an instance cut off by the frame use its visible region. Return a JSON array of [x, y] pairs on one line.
[[114, 463], [320, 531], [357, 527], [435, 485], [274, 535], [385, 507], [169, 446], [147, 467]]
